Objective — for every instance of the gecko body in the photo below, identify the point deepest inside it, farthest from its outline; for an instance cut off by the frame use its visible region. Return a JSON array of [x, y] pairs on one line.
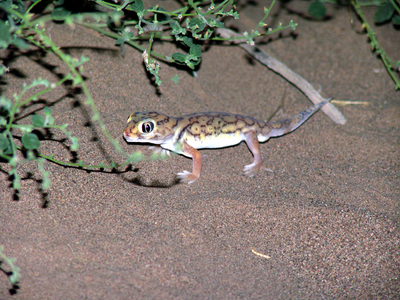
[[184, 135]]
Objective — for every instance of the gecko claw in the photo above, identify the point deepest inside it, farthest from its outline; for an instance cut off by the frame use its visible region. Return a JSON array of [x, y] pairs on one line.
[[252, 169], [187, 177]]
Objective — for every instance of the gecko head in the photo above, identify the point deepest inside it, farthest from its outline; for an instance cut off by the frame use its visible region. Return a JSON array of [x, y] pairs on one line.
[[147, 127]]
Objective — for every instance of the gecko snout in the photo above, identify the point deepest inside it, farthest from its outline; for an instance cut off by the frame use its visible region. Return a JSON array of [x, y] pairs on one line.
[[126, 133]]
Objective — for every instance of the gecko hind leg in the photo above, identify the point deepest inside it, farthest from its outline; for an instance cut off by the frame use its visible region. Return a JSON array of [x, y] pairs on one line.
[[252, 142]]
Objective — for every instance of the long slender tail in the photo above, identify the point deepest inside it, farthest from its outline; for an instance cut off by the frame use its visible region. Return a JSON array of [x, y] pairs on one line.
[[282, 127]]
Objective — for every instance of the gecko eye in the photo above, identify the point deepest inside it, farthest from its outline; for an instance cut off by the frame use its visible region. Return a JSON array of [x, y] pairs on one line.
[[147, 127]]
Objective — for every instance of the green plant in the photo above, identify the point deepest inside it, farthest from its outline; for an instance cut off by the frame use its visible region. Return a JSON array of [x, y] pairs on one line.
[[23, 30], [14, 273], [390, 65], [386, 11], [188, 26], [29, 140]]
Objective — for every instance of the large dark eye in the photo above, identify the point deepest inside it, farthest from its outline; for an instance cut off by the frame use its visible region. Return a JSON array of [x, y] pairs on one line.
[[147, 127]]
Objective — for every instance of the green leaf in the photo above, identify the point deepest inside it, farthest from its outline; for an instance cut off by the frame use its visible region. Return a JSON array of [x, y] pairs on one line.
[[190, 64], [6, 3], [217, 24], [234, 14], [163, 16], [396, 20], [16, 5], [60, 13], [138, 7], [187, 41], [30, 141], [49, 119], [119, 41], [20, 6], [5, 36], [196, 25], [9, 151], [384, 13], [128, 36], [5, 106], [179, 57], [176, 28], [24, 127], [317, 9], [38, 121], [37, 82], [175, 79], [195, 50], [47, 111], [75, 144], [3, 121], [21, 44], [4, 142]]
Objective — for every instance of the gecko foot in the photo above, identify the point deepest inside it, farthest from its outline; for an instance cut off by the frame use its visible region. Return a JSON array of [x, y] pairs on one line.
[[187, 177], [157, 150], [252, 169]]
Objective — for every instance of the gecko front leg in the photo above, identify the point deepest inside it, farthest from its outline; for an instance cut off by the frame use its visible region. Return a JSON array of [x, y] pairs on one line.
[[186, 176], [254, 146]]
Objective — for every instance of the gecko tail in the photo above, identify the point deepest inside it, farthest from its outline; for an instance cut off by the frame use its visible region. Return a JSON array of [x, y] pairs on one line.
[[282, 127]]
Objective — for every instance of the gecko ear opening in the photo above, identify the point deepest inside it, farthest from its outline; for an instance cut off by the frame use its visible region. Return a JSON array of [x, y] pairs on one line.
[[147, 126]]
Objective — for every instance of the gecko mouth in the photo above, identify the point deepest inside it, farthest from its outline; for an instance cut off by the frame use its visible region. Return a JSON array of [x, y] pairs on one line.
[[128, 137]]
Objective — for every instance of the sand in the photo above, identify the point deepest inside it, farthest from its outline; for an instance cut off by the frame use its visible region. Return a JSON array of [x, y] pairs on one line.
[[328, 214]]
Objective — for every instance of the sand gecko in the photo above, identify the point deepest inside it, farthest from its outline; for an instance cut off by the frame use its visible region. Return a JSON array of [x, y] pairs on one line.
[[184, 135]]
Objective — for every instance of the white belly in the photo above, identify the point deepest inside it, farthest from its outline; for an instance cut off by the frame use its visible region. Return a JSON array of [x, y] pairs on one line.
[[210, 141]]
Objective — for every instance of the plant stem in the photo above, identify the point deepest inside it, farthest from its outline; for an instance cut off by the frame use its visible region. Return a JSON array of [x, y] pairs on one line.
[[265, 17], [396, 7], [44, 91], [133, 44], [375, 45]]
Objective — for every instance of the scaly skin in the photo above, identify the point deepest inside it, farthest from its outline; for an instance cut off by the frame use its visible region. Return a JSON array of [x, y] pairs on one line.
[[184, 135]]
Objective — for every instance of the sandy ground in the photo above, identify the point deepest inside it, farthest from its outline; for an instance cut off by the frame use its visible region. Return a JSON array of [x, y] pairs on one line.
[[328, 214]]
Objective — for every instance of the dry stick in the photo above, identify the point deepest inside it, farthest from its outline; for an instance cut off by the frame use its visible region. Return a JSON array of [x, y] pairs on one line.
[[278, 67]]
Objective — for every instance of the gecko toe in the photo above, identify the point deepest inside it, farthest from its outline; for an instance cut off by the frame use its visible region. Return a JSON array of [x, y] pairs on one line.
[[187, 177], [252, 169]]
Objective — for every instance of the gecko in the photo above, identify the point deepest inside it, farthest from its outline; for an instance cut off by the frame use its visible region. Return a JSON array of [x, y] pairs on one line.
[[185, 135]]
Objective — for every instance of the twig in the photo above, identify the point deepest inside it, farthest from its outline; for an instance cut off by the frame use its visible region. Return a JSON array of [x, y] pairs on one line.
[[275, 65]]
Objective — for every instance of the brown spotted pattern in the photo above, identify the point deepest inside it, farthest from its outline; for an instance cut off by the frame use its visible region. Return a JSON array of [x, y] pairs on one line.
[[185, 134], [210, 125]]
